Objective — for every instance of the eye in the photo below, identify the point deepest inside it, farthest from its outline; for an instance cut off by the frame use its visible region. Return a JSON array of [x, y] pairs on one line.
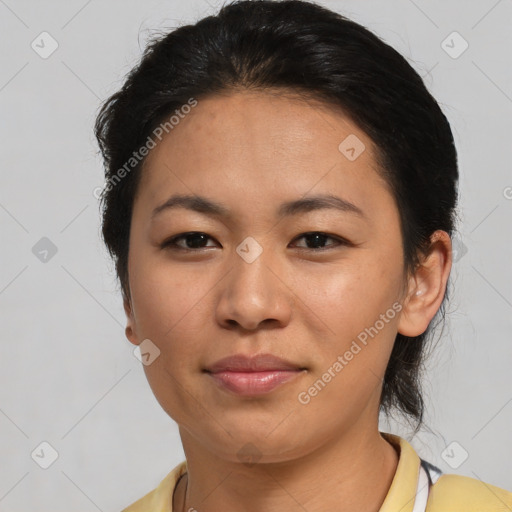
[[319, 238], [193, 240]]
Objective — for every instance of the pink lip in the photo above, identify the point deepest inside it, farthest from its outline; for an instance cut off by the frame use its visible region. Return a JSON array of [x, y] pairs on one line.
[[255, 375]]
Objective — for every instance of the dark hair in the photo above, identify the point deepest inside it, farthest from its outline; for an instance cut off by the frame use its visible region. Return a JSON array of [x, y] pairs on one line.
[[300, 47]]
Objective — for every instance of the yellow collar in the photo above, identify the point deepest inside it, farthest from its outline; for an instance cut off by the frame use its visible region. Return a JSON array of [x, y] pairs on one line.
[[402, 493]]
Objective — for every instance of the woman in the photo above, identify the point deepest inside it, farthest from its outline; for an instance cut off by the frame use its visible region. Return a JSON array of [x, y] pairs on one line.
[[280, 195]]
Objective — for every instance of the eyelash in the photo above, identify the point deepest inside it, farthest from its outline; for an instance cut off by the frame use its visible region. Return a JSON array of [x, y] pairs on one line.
[[172, 245]]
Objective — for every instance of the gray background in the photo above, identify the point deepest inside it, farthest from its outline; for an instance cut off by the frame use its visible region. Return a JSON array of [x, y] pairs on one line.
[[69, 376]]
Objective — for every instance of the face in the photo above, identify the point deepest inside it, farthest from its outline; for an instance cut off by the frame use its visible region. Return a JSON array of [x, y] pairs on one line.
[[317, 284]]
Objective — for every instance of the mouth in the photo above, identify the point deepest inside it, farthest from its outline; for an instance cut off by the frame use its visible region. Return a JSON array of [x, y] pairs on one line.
[[252, 376]]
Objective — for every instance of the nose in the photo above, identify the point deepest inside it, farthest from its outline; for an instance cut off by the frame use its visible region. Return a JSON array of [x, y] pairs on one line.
[[254, 295]]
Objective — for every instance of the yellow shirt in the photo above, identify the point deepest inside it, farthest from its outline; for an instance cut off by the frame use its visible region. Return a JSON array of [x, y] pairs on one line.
[[448, 493]]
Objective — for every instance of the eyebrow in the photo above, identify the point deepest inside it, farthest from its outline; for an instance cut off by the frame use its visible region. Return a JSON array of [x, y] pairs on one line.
[[208, 207]]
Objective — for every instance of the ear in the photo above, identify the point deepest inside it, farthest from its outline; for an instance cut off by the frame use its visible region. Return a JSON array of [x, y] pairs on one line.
[[427, 286], [130, 331]]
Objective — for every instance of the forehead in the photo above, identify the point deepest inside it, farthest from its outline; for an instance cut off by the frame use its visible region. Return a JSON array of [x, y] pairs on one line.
[[264, 144], [283, 121]]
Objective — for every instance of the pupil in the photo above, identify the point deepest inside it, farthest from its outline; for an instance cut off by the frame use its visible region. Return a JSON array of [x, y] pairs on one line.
[[196, 237], [317, 237]]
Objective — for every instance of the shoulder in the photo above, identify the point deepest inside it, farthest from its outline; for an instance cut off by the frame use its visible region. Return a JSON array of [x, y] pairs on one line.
[[461, 493], [160, 498]]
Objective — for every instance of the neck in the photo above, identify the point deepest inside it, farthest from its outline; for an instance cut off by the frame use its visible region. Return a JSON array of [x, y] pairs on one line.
[[351, 473]]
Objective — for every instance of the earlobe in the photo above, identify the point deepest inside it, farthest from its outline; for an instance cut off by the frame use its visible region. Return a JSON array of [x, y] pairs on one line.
[[427, 287], [130, 323]]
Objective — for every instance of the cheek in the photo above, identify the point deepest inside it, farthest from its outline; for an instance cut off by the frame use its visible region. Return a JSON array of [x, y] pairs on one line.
[[352, 295], [167, 299], [352, 360], [170, 311]]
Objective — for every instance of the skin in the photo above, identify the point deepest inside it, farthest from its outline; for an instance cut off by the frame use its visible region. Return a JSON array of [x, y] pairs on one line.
[[252, 151]]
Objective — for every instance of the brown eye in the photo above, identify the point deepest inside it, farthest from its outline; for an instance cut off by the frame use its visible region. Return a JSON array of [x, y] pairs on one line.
[[193, 240], [318, 239]]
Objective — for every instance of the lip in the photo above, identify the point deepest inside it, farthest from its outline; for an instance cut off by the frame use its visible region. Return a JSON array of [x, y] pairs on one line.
[[251, 376], [256, 363]]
